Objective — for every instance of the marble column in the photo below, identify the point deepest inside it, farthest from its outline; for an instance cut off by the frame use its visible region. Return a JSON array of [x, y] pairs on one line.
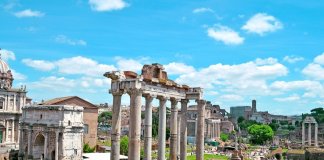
[[200, 129], [183, 129], [115, 127], [303, 134], [56, 144], [7, 130], [134, 144], [21, 139], [309, 134], [179, 135], [45, 145], [162, 128], [316, 134], [13, 131], [148, 128], [30, 149], [173, 129]]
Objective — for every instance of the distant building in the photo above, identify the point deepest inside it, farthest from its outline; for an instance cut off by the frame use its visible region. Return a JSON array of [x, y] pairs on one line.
[[52, 132], [240, 111], [11, 102], [103, 108], [90, 115]]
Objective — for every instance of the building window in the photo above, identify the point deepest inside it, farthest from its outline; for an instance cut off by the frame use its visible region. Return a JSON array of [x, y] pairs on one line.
[[86, 128], [1, 104], [41, 116], [69, 123]]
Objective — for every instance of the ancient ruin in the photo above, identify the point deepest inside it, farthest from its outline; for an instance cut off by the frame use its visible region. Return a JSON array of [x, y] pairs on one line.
[[154, 83], [309, 121], [51, 132]]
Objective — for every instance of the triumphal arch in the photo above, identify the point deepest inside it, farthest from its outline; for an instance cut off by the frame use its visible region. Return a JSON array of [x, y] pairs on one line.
[[153, 83]]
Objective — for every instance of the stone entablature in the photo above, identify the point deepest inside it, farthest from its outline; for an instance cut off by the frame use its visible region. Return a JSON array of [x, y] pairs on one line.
[[52, 132]]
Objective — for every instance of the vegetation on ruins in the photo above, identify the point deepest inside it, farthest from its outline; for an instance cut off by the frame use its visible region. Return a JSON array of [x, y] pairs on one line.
[[104, 117], [260, 133], [88, 149], [155, 125], [224, 137], [124, 145]]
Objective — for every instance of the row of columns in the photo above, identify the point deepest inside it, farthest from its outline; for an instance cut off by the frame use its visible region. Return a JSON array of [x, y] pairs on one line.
[[213, 130], [309, 125], [12, 132], [30, 144], [177, 147]]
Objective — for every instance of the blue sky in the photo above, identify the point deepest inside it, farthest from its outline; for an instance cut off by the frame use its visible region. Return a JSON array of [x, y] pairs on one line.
[[237, 51]]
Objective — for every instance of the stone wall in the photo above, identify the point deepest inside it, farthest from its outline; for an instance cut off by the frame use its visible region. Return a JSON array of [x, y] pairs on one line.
[[90, 117]]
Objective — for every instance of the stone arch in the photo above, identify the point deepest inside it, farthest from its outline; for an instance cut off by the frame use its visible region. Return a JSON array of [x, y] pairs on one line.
[[38, 147]]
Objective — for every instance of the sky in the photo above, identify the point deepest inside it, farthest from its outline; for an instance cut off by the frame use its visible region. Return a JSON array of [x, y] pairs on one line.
[[270, 50]]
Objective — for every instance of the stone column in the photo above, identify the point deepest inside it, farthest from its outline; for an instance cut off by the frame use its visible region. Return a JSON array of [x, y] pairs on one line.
[[30, 149], [56, 144], [45, 145], [173, 129], [316, 134], [115, 127], [183, 129], [179, 135], [134, 144], [303, 134], [162, 128], [309, 134], [148, 128], [13, 131], [21, 139], [7, 130], [200, 130]]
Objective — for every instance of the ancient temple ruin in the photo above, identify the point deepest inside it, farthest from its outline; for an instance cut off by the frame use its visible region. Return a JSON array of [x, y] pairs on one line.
[[309, 121], [153, 83]]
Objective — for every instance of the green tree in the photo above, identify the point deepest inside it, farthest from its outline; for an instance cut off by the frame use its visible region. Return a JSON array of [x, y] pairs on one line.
[[260, 133], [224, 137], [104, 117], [291, 127], [88, 149], [240, 119], [274, 126], [124, 145]]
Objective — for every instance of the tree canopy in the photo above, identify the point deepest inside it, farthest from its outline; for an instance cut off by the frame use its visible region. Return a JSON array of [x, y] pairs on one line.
[[260, 133], [104, 117]]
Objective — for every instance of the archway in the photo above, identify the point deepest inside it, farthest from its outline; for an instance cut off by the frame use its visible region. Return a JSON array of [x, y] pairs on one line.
[[38, 148]]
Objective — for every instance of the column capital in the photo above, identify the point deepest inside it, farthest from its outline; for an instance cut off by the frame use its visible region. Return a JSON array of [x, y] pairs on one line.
[[149, 97], [184, 101], [134, 91], [117, 93], [162, 98], [201, 102], [174, 101]]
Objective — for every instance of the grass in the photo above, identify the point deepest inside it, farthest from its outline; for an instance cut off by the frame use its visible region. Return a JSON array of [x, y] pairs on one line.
[[209, 157]]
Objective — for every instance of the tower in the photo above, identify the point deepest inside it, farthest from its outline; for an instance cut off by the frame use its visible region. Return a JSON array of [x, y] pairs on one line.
[[254, 106]]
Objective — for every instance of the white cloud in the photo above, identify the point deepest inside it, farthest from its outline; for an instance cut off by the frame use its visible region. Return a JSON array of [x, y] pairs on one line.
[[124, 64], [65, 40], [315, 69], [202, 10], [293, 59], [29, 13], [39, 64], [248, 78], [288, 99], [54, 83], [225, 35], [262, 23], [231, 97], [175, 68], [107, 5], [17, 75], [83, 66], [7, 55]]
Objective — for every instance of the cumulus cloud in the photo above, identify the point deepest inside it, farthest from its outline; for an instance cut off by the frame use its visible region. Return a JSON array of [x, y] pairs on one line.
[[293, 59], [202, 10], [7, 55], [315, 69], [175, 68], [17, 75], [107, 5], [231, 97], [248, 78], [29, 13], [125, 64], [54, 83], [39, 64], [225, 34], [262, 23], [66, 40], [288, 99]]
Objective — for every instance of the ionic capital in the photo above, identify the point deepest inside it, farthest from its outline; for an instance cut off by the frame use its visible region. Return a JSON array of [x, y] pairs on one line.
[[162, 98], [174, 101], [149, 97], [117, 93]]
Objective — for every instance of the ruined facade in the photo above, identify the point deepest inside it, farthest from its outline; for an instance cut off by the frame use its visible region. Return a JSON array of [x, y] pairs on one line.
[[52, 132], [11, 102]]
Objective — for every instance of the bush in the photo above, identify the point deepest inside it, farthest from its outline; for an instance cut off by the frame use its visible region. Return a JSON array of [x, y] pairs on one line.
[[88, 149], [224, 137], [124, 145]]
